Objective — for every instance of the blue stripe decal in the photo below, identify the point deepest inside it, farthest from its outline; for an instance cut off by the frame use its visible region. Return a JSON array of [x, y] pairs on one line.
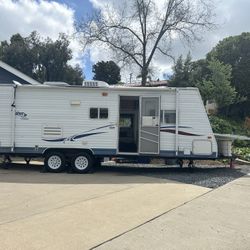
[[106, 126], [22, 150], [103, 151], [55, 140], [85, 135], [172, 154], [82, 135], [169, 153], [73, 138]]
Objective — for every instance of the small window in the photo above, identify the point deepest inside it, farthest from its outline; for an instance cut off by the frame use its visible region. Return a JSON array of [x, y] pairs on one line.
[[150, 107], [104, 113], [93, 113], [168, 116]]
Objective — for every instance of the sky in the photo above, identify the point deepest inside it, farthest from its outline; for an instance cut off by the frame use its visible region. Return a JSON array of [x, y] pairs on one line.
[[51, 17]]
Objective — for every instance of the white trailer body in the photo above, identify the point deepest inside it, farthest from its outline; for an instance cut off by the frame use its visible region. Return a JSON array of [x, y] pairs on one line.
[[155, 122]]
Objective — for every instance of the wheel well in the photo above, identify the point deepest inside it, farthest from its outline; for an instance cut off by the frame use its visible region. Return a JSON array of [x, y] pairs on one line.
[[68, 152]]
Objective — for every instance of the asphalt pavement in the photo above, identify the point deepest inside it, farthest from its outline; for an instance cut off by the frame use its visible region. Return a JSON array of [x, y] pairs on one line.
[[125, 208]]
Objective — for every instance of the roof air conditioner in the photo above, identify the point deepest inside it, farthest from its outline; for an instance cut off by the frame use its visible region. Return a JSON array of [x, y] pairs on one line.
[[95, 84]]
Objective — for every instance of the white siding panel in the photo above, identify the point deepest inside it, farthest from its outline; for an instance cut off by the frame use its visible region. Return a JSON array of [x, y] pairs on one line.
[[51, 107], [168, 100], [192, 114]]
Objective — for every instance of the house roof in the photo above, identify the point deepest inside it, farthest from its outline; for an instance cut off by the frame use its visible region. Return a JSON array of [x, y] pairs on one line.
[[18, 74]]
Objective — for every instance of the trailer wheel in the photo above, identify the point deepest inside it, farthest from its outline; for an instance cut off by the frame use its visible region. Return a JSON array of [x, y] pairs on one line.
[[55, 162], [82, 163]]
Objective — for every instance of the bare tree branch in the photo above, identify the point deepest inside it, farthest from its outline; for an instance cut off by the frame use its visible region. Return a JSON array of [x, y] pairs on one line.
[[135, 32]]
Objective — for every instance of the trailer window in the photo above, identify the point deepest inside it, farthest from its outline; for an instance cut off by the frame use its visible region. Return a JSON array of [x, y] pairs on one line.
[[150, 107], [168, 116], [104, 113], [98, 113], [93, 113]]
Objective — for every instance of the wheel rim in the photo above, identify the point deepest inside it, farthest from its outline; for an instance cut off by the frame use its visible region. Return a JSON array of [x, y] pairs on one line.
[[54, 162], [81, 162]]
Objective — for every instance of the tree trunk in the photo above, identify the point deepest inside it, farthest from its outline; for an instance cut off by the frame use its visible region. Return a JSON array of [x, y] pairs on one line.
[[144, 74]]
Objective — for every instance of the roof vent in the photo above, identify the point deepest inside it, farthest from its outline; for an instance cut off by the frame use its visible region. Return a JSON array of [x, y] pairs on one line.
[[95, 84], [56, 84]]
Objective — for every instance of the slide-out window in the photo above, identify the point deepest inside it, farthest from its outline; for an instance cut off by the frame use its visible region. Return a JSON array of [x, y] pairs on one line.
[[168, 116]]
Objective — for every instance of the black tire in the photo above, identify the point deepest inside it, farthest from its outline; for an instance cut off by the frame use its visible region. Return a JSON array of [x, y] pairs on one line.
[[82, 163], [55, 162]]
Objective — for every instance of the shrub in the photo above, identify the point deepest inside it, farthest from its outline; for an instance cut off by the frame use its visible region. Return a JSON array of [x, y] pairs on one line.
[[220, 125], [243, 153], [223, 125]]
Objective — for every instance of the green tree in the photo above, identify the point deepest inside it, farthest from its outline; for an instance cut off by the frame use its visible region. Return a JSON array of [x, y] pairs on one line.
[[182, 72], [216, 85], [207, 90], [212, 77], [18, 54], [235, 51], [44, 60], [73, 75], [107, 71], [199, 71]]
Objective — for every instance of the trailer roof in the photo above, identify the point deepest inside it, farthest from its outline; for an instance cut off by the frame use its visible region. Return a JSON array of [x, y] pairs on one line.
[[116, 88]]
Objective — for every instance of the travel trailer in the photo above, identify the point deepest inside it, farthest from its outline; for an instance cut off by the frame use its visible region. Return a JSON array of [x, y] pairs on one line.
[[80, 125]]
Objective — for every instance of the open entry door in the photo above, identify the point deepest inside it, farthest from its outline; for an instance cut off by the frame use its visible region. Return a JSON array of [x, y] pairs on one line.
[[150, 125], [129, 125]]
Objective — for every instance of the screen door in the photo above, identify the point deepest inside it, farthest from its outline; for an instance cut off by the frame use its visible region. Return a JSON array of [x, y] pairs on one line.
[[149, 125]]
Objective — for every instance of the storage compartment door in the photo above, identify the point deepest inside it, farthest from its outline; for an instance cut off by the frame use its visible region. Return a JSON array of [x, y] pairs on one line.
[[202, 147]]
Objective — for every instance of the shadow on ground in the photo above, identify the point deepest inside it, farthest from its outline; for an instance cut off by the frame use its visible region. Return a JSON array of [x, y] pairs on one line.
[[202, 176]]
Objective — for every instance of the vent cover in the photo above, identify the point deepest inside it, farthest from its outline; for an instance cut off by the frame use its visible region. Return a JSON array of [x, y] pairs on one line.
[[52, 131], [95, 84], [56, 84]]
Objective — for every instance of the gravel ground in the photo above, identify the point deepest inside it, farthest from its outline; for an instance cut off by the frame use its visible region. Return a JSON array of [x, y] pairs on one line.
[[206, 174], [211, 176]]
